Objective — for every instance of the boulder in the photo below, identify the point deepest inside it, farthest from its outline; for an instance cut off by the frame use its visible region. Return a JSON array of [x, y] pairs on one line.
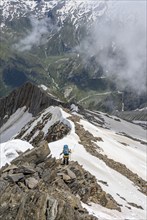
[[31, 182], [15, 177], [35, 155], [71, 174], [25, 169], [65, 177]]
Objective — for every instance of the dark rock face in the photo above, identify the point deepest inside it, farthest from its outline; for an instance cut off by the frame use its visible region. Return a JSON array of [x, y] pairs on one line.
[[42, 189], [57, 131], [28, 95], [132, 115]]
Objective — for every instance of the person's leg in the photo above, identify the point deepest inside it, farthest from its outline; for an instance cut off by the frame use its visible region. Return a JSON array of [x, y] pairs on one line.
[[64, 160], [67, 160]]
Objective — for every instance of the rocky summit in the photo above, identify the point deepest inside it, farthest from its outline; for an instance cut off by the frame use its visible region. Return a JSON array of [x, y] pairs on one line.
[[106, 174], [36, 186]]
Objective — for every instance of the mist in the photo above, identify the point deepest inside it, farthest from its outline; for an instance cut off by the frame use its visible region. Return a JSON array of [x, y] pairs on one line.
[[40, 31], [118, 41]]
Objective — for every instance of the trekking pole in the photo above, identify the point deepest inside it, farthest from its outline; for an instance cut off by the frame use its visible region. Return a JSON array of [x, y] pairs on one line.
[[70, 156], [73, 148], [71, 152]]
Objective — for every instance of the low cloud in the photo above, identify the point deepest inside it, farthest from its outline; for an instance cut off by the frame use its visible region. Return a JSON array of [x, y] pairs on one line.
[[118, 41], [41, 29]]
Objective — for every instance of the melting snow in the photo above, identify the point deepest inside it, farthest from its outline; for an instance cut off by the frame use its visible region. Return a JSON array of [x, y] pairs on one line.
[[14, 124], [44, 87], [11, 149], [130, 154], [19, 8], [121, 188]]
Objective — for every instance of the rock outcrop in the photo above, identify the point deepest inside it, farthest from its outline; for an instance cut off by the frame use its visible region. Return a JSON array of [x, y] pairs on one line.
[[57, 131], [30, 96], [36, 186], [132, 115]]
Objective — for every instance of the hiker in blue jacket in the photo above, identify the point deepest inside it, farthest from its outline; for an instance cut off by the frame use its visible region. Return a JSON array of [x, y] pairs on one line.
[[66, 151]]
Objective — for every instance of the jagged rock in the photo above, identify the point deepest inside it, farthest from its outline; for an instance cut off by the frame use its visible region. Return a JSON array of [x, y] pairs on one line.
[[46, 175], [25, 169], [52, 209], [3, 185], [49, 162], [42, 144], [35, 155], [31, 182], [65, 177], [30, 96], [57, 131], [71, 174], [15, 177], [49, 191], [11, 167], [135, 205], [38, 138], [33, 206]]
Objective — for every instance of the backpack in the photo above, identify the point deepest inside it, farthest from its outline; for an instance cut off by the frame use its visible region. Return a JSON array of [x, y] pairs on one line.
[[65, 150]]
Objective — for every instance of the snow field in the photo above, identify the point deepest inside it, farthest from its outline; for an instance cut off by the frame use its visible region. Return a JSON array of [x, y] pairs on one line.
[[118, 186]]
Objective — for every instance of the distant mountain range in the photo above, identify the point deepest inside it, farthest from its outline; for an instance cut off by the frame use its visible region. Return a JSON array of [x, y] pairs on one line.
[[42, 42]]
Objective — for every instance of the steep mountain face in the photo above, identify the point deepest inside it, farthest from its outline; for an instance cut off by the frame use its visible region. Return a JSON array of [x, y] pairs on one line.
[[34, 99], [34, 181], [40, 43]]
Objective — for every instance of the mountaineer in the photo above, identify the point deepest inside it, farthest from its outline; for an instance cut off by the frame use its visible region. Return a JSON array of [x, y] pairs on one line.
[[66, 152]]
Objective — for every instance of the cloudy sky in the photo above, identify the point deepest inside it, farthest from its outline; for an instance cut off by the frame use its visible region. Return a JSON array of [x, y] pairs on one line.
[[118, 41]]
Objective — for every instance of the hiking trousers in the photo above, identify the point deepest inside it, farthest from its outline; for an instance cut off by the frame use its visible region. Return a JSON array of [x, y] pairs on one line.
[[66, 159]]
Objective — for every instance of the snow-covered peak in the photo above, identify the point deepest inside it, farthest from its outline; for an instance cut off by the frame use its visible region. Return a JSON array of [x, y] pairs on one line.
[[76, 9]]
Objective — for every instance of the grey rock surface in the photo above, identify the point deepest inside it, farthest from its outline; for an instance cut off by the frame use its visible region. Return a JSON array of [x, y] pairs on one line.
[[47, 190]]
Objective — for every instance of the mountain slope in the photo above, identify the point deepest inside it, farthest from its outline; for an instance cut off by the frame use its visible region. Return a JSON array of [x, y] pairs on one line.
[[110, 149], [51, 43], [64, 9]]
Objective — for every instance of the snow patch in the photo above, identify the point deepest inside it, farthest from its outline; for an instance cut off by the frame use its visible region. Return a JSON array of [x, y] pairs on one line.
[[11, 149], [14, 124]]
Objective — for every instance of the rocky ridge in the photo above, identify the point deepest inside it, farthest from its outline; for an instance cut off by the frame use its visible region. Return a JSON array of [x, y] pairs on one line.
[[35, 186], [33, 98], [42, 181], [88, 141]]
